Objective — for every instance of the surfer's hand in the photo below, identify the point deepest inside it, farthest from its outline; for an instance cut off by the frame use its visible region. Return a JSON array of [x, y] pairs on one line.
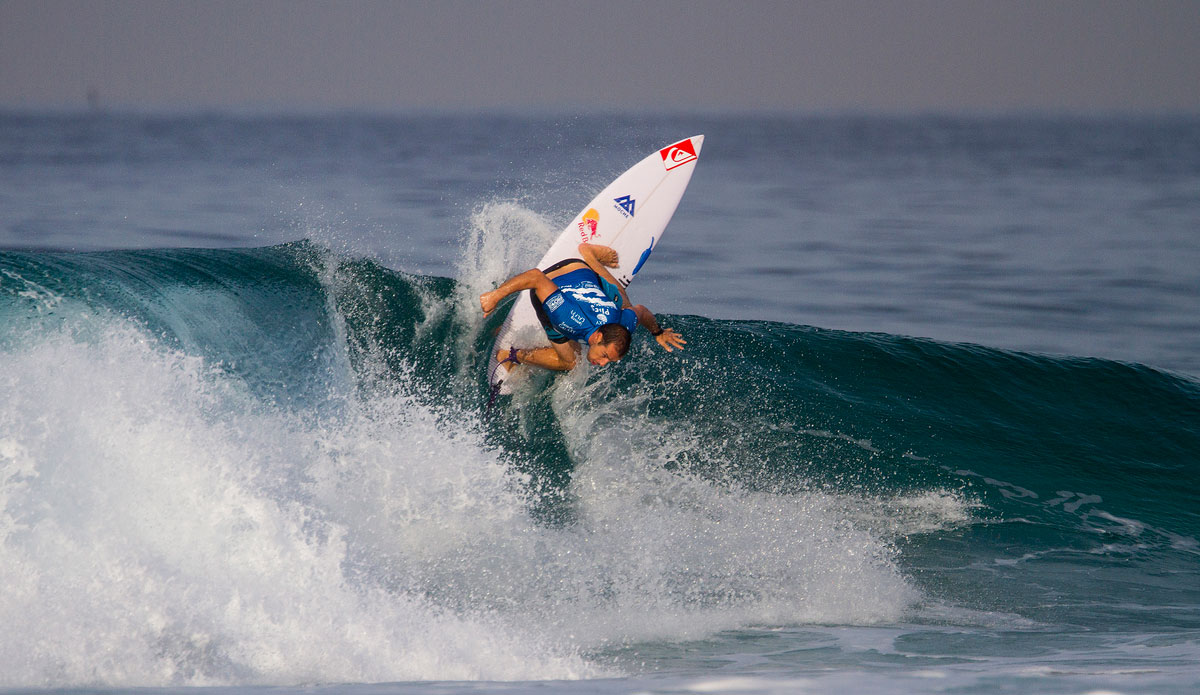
[[669, 339]]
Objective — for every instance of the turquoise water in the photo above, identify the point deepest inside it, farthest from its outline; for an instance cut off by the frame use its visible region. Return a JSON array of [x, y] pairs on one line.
[[238, 468]]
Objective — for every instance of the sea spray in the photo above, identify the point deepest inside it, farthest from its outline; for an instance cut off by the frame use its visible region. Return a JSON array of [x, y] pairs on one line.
[[160, 527]]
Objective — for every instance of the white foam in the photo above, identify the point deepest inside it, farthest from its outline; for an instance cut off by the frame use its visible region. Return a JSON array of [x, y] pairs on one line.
[[503, 239], [679, 556], [156, 531]]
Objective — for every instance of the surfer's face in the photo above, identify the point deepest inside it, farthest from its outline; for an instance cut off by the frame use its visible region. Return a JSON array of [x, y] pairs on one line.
[[603, 353]]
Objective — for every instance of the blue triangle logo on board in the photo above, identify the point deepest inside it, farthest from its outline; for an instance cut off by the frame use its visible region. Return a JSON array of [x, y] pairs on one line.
[[626, 203]]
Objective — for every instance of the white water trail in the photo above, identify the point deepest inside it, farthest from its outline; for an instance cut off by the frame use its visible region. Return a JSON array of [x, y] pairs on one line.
[[160, 527]]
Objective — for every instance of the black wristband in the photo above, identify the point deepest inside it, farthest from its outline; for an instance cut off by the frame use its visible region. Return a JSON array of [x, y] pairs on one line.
[[657, 333]]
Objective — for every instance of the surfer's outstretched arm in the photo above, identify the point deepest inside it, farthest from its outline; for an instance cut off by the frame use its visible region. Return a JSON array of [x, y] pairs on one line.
[[666, 337], [532, 279]]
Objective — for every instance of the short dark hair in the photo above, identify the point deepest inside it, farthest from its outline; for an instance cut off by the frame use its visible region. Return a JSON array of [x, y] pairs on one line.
[[615, 334]]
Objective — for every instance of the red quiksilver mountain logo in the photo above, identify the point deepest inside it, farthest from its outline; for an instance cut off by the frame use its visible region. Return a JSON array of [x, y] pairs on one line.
[[678, 154]]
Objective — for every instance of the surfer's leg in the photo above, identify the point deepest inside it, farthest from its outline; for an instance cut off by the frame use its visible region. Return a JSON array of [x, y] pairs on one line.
[[532, 279], [565, 268], [597, 257], [559, 357]]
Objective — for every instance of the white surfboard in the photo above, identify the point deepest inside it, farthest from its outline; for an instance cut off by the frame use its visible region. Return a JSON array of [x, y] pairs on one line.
[[630, 215]]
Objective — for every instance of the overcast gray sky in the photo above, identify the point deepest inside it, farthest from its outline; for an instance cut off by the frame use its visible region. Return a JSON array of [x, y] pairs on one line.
[[903, 56]]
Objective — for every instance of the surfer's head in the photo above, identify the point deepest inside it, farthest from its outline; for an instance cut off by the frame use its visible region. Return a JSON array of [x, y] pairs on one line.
[[609, 343]]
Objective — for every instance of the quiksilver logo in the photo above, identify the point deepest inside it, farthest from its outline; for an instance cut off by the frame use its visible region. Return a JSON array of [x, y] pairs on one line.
[[678, 154]]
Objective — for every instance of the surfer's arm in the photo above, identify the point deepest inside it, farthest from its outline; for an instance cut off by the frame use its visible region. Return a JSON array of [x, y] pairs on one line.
[[598, 257], [666, 337]]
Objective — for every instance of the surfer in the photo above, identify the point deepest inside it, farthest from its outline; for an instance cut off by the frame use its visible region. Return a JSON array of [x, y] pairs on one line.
[[579, 301]]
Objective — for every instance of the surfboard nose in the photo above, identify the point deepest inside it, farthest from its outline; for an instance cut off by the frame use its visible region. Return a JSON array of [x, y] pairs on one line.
[[697, 142]]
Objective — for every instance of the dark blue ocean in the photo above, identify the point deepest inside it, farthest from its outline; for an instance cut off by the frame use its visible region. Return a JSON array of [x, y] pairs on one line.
[[936, 430]]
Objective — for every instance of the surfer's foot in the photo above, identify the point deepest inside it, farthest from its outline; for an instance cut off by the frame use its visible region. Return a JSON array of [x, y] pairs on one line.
[[501, 356], [606, 255]]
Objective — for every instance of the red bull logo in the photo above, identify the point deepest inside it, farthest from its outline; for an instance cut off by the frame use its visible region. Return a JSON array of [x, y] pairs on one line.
[[589, 224], [678, 154]]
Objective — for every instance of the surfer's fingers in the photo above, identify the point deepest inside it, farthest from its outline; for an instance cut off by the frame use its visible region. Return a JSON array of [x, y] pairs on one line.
[[670, 340]]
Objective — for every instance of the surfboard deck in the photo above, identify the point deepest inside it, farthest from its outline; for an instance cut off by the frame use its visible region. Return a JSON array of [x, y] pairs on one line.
[[630, 215]]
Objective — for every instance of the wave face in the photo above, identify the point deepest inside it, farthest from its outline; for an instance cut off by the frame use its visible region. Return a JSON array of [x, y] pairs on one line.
[[272, 466]]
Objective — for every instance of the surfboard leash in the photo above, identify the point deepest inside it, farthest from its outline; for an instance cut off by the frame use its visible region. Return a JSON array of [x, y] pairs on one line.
[[494, 390]]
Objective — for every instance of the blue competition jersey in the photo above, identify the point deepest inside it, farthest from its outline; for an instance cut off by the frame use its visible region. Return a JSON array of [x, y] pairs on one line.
[[583, 303]]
